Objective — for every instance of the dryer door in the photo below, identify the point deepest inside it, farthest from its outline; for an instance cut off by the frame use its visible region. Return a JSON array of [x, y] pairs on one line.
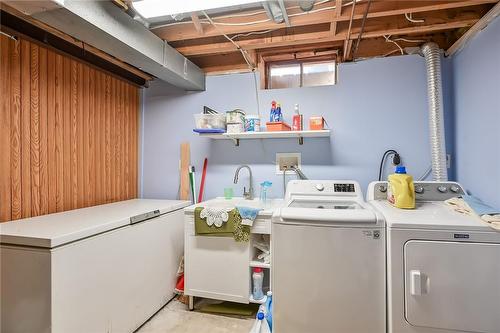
[[453, 285]]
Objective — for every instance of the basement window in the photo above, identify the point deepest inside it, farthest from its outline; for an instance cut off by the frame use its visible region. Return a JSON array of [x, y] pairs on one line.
[[300, 74]]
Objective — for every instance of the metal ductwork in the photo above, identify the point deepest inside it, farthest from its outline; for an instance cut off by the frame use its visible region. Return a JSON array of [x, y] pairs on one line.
[[108, 28], [432, 57]]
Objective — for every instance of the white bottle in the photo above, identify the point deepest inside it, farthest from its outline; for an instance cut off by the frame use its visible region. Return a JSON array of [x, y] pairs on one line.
[[257, 278], [260, 325]]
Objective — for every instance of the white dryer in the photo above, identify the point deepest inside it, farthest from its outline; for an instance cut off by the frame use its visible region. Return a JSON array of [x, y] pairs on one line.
[[443, 267]]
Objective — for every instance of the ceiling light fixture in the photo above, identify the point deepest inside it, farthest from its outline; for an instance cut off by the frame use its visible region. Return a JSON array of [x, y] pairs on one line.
[[158, 8]]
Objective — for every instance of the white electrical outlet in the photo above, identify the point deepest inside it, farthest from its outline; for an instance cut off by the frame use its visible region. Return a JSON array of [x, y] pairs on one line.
[[287, 160]]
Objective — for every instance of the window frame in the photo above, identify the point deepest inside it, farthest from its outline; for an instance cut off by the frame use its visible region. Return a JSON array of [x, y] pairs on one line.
[[301, 62]]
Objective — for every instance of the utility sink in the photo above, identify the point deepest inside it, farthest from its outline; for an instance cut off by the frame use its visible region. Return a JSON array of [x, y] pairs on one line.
[[268, 209]]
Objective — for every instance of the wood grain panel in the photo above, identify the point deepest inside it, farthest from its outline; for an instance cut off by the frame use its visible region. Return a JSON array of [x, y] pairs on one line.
[[68, 133], [15, 128], [5, 124]]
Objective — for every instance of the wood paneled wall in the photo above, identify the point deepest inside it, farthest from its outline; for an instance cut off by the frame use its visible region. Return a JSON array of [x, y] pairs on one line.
[[68, 133]]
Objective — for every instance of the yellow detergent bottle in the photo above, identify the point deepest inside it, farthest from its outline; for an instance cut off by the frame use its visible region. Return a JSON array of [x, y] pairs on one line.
[[400, 189]]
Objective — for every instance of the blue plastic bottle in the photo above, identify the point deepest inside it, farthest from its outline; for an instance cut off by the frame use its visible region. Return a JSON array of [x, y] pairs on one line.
[[272, 115], [269, 308], [279, 115]]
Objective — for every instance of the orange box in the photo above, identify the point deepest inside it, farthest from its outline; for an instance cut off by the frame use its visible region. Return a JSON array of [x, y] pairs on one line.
[[316, 123], [278, 126]]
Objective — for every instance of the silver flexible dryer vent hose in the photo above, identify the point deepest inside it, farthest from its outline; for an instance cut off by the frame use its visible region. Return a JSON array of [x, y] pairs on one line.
[[432, 57]]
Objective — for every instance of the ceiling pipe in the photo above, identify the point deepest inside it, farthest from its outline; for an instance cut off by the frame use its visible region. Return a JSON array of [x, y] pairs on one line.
[[307, 5]]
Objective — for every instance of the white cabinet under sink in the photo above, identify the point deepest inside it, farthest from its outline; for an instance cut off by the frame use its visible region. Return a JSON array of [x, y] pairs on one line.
[[219, 267]]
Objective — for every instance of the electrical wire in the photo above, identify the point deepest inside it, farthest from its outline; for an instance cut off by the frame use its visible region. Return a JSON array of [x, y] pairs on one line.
[[244, 53], [396, 161], [410, 40], [252, 33], [409, 17], [389, 40]]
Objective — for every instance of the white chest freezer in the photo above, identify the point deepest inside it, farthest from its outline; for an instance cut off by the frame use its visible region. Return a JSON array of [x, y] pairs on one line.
[[106, 268]]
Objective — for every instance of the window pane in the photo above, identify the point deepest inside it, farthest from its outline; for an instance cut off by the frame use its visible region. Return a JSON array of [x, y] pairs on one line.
[[284, 76], [318, 73]]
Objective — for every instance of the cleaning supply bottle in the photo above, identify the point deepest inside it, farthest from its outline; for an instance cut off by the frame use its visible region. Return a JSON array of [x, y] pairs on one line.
[[260, 325], [257, 279], [269, 309], [400, 189], [264, 192], [272, 114], [297, 120], [279, 115]]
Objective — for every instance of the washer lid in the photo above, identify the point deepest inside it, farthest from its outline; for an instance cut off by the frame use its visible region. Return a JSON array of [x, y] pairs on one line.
[[429, 215], [53, 230]]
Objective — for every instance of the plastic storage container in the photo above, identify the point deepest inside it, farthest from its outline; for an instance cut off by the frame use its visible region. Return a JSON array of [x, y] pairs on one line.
[[210, 121], [277, 126], [252, 123], [235, 117], [400, 189]]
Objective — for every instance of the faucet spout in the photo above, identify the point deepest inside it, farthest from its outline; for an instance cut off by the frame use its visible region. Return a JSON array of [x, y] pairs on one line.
[[246, 194]]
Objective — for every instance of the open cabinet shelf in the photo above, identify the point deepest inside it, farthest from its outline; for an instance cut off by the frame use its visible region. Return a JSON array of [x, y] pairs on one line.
[[300, 135]]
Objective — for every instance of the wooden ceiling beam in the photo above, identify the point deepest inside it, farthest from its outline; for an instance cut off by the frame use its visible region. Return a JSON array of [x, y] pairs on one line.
[[186, 31], [337, 15], [319, 37]]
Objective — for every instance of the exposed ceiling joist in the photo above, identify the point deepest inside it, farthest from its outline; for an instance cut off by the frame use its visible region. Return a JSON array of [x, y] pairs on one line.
[[234, 25], [322, 36], [337, 15]]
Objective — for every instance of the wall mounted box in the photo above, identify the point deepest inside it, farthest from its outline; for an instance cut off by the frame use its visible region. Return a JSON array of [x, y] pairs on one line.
[[90, 269]]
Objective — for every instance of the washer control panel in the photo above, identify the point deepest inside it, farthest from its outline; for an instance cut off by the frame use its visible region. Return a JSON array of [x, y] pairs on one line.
[[426, 191], [324, 188]]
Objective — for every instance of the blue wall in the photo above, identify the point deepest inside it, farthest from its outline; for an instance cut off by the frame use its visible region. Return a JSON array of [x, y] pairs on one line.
[[476, 91], [378, 104]]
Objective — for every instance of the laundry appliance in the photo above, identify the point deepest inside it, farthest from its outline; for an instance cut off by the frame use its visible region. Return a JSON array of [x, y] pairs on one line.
[[443, 267], [328, 255]]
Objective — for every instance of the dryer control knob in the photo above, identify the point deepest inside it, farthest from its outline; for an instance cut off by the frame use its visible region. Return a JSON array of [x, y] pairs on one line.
[[442, 189], [454, 188], [320, 187], [419, 189], [382, 188]]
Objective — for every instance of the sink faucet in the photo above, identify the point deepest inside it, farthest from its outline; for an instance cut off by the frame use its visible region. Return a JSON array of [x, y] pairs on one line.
[[247, 195]]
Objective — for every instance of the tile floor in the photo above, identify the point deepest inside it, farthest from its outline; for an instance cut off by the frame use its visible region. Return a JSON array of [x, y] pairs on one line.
[[176, 318]]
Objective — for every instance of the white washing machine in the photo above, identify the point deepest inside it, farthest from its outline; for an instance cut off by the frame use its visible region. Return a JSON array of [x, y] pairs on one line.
[[443, 267], [328, 257]]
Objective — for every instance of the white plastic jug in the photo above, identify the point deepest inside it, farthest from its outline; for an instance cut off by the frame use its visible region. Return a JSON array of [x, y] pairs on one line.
[[260, 325]]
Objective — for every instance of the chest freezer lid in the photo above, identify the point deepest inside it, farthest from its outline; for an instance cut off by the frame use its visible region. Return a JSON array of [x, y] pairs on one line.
[[56, 229]]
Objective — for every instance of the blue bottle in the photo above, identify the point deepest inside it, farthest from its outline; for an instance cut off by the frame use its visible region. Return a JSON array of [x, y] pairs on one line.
[[278, 115], [269, 309], [272, 115]]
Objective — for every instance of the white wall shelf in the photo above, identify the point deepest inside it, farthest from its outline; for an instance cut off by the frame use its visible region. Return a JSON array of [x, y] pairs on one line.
[[300, 135]]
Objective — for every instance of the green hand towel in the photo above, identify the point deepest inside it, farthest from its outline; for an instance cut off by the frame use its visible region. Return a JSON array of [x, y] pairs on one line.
[[231, 228], [226, 230]]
